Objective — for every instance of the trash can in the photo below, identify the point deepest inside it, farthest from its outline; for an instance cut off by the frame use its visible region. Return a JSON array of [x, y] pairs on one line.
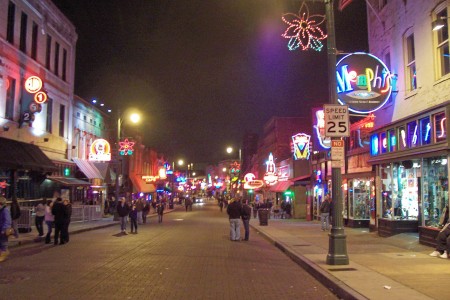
[[263, 215]]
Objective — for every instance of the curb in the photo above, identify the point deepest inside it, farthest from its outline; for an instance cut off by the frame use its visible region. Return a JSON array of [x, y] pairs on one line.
[[338, 287]]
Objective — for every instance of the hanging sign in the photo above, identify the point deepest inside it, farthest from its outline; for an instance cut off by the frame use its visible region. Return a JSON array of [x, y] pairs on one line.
[[301, 144], [270, 177], [40, 97], [33, 84], [363, 82], [100, 151], [126, 147]]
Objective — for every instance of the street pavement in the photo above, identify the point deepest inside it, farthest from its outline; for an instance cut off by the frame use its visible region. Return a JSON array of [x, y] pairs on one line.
[[187, 256], [397, 267]]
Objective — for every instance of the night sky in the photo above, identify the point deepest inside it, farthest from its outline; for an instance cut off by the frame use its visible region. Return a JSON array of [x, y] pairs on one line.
[[203, 72]]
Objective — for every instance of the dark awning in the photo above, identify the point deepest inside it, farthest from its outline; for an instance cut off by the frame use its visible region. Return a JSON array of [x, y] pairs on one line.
[[23, 156], [69, 181]]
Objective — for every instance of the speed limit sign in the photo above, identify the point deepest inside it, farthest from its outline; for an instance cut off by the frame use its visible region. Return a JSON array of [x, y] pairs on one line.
[[336, 119]]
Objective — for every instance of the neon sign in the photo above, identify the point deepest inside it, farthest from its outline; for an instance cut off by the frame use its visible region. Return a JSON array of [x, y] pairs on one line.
[[149, 178], [301, 143], [126, 147], [33, 84], [363, 82], [251, 183], [325, 142], [100, 151], [40, 97], [271, 176]]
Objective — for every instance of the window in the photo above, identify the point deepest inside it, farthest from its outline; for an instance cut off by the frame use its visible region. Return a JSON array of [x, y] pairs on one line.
[[440, 123], [48, 52], [64, 65], [11, 20], [56, 64], [387, 62], [23, 32], [442, 47], [10, 95], [78, 114], [62, 118], [411, 80], [425, 131], [48, 125], [34, 41]]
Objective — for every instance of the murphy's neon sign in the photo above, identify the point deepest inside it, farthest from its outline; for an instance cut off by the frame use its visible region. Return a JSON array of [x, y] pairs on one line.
[[363, 82]]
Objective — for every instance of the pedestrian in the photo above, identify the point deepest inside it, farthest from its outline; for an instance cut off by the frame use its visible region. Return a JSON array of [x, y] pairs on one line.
[[122, 211], [246, 214], [39, 211], [49, 220], [15, 215], [59, 211], [234, 214], [5, 224], [67, 216], [442, 243], [186, 203], [145, 211], [140, 209], [160, 212], [221, 205], [133, 214], [325, 213], [287, 210], [154, 205]]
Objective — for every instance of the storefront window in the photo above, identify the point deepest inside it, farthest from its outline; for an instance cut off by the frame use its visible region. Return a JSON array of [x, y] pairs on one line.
[[425, 131], [400, 191], [392, 140], [440, 127], [359, 192], [345, 198], [383, 142], [435, 191], [402, 141], [412, 134]]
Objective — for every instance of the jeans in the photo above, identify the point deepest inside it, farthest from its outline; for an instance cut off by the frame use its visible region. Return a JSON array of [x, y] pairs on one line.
[[59, 232], [3, 242], [49, 231], [160, 216], [123, 223], [139, 217], [133, 224], [235, 229], [14, 224], [246, 228], [38, 221], [325, 221]]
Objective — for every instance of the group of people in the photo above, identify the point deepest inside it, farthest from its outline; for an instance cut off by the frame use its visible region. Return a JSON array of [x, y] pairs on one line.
[[137, 211], [56, 214], [236, 211]]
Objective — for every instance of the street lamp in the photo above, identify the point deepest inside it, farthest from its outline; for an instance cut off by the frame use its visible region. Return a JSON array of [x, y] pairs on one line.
[[230, 150], [134, 118]]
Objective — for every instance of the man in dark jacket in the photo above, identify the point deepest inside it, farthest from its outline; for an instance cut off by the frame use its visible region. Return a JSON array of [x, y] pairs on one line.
[[59, 211], [67, 216], [123, 209], [234, 213], [15, 215], [246, 214]]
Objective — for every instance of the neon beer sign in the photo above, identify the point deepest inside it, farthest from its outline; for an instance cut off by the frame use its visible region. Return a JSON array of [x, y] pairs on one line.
[[301, 142], [363, 82]]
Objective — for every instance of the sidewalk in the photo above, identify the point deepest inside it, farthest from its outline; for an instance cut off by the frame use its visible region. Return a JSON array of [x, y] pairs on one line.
[[74, 228], [397, 267]]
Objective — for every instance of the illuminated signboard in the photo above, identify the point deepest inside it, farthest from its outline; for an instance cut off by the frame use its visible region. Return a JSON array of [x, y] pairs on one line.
[[149, 178], [251, 183], [301, 143], [235, 167], [319, 127], [162, 173], [40, 97], [270, 177], [33, 84], [100, 151], [363, 82]]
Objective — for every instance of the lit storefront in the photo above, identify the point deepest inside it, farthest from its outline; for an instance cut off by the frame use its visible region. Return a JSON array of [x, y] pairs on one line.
[[411, 159]]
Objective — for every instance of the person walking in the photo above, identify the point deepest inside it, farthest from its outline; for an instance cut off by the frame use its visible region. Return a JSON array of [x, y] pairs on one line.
[[160, 212], [145, 211], [59, 211], [5, 223], [325, 213], [67, 216], [39, 211], [15, 215], [221, 205], [234, 214], [133, 217], [246, 215], [49, 220], [122, 211]]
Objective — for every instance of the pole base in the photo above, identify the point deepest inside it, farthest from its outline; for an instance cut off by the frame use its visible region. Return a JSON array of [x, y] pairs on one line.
[[337, 250]]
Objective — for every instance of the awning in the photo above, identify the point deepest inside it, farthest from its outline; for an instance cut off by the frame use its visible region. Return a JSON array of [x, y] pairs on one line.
[[69, 181], [23, 156], [103, 168], [140, 186], [88, 168], [280, 186], [301, 178]]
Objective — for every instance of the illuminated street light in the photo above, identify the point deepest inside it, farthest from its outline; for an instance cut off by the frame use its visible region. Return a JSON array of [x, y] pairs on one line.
[[229, 150], [180, 162]]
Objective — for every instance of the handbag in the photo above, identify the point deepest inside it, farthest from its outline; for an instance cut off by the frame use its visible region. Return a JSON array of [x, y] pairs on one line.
[[9, 231]]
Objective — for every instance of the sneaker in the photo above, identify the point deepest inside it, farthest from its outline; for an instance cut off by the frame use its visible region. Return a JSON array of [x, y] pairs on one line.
[[444, 255], [435, 253], [125, 232]]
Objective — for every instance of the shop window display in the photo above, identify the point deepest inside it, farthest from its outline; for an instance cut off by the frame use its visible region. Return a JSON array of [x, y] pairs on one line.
[[360, 191], [400, 189], [435, 191]]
